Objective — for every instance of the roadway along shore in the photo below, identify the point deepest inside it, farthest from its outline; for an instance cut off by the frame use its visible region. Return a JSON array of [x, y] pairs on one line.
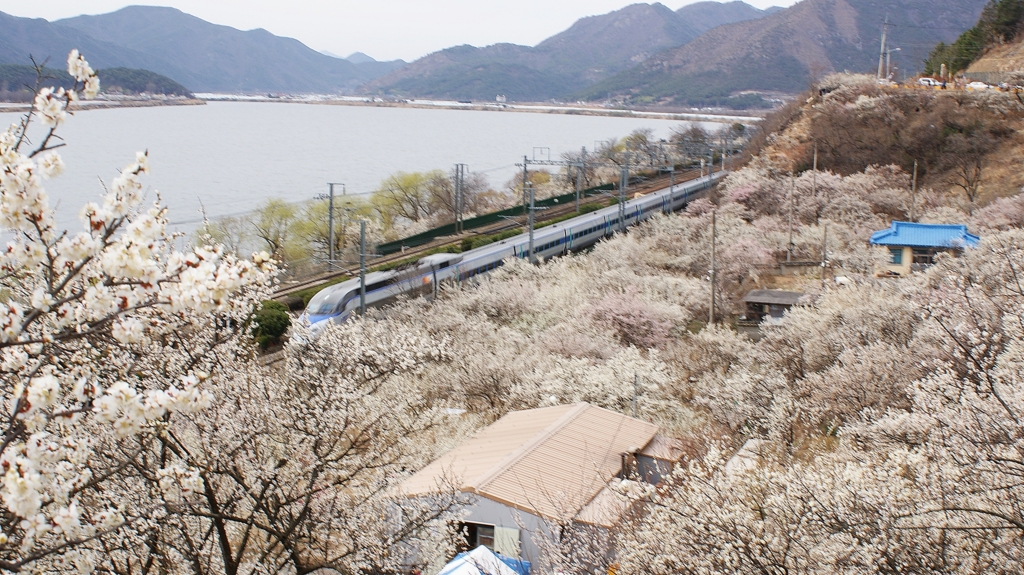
[[745, 117]]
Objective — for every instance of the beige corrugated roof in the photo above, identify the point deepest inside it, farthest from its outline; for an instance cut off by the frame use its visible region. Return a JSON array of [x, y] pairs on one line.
[[550, 461], [665, 448], [607, 508], [774, 296]]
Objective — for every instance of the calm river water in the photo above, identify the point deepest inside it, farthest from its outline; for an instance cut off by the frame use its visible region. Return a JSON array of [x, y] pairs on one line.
[[230, 157]]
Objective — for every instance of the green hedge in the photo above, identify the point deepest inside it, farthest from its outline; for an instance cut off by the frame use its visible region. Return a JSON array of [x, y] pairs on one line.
[[270, 322]]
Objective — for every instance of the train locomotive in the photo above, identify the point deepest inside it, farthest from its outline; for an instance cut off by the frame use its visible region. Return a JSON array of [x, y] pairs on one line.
[[339, 302]]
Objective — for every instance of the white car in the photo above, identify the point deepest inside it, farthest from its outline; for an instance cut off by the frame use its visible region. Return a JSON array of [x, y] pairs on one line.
[[929, 82], [978, 86]]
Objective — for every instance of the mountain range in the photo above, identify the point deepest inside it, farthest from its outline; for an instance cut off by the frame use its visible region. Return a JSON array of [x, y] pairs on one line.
[[703, 54], [593, 49], [204, 57], [785, 50], [707, 53]]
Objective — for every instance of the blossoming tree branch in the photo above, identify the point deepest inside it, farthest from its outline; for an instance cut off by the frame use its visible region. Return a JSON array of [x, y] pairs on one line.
[[105, 336]]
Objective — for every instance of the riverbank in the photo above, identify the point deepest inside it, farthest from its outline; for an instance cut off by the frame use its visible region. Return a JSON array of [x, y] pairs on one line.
[[534, 108], [83, 105]]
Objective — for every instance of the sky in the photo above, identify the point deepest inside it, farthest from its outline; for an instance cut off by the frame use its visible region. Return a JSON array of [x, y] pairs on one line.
[[383, 29]]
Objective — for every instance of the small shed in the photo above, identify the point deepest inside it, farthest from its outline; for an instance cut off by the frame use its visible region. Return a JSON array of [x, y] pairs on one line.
[[562, 462], [769, 304], [913, 246]]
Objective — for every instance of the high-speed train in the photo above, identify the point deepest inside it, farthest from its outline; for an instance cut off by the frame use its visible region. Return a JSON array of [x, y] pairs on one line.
[[339, 302]]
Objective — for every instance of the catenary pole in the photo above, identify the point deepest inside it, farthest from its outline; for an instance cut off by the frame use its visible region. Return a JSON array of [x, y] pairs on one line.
[[881, 54], [526, 176], [579, 185], [530, 222], [623, 175], [792, 192], [460, 195], [362, 267], [344, 217], [623, 184], [455, 200], [671, 188], [330, 228]]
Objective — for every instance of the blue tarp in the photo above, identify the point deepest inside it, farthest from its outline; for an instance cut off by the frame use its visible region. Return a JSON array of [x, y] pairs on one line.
[[481, 561]]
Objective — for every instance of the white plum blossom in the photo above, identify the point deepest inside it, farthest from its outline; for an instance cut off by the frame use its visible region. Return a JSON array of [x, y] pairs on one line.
[[43, 391], [105, 337], [92, 87], [51, 106], [129, 330], [51, 165], [83, 73], [186, 481]]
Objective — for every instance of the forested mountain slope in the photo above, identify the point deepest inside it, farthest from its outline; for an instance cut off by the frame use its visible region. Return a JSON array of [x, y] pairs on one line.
[[22, 38], [783, 51], [203, 56], [208, 57], [594, 48]]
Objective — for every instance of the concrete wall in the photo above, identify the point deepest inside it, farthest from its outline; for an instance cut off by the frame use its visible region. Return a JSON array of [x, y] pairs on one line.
[[902, 268], [489, 512]]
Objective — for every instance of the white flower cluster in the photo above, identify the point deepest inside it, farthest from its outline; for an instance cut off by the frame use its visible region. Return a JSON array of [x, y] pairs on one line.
[[51, 106], [92, 327], [82, 72], [130, 411], [25, 204], [42, 471], [187, 481]]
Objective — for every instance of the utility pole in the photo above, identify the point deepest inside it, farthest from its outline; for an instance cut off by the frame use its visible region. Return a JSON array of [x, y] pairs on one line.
[[581, 173], [460, 195], [362, 267], [530, 223], [330, 221], [888, 57], [913, 195], [792, 192], [711, 167], [526, 177], [623, 178], [881, 55], [579, 185], [330, 228], [714, 233], [671, 188]]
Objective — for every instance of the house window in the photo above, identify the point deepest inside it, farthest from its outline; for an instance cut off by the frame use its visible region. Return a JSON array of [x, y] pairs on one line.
[[478, 534], [924, 257], [896, 256]]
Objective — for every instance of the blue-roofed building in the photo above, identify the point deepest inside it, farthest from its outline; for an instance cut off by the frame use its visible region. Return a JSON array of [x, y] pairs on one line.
[[913, 246]]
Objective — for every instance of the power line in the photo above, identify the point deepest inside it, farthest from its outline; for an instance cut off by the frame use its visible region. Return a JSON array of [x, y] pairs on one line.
[[926, 27]]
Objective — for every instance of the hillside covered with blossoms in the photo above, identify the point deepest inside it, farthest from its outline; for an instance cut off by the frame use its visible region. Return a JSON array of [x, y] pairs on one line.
[[145, 434]]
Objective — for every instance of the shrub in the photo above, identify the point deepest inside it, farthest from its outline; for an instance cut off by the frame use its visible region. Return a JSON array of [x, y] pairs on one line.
[[270, 323]]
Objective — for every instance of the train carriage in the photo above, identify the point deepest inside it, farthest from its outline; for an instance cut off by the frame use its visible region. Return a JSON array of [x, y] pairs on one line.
[[341, 301]]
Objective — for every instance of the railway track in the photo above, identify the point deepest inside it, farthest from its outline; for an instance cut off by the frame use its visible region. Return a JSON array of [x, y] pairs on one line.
[[547, 215]]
